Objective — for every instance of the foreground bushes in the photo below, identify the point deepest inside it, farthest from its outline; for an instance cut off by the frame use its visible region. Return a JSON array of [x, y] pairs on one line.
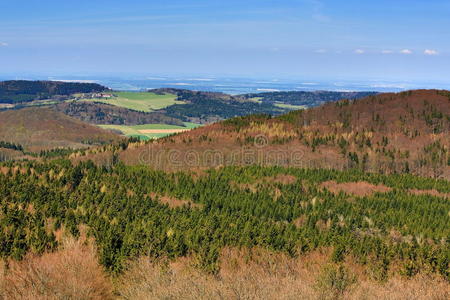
[[73, 273], [70, 273]]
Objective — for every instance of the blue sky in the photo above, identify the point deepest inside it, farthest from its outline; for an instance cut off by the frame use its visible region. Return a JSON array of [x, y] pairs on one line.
[[320, 39]]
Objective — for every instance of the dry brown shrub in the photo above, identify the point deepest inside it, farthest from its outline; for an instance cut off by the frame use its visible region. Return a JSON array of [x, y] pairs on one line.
[[70, 273], [361, 188], [174, 202], [421, 287], [73, 273], [244, 275], [283, 179], [261, 274], [300, 221], [429, 192]]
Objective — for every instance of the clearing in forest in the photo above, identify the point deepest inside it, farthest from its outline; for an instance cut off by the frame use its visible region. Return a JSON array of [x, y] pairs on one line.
[[139, 101]]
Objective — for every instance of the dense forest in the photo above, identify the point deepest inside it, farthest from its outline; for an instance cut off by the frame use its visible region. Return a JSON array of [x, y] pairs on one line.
[[207, 110], [21, 91], [136, 211], [389, 133], [309, 99], [207, 107], [100, 113]]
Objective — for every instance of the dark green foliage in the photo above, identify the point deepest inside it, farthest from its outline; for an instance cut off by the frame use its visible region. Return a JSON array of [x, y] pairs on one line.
[[12, 146], [19, 91], [120, 207], [242, 122], [206, 108], [101, 113], [209, 106], [307, 98]]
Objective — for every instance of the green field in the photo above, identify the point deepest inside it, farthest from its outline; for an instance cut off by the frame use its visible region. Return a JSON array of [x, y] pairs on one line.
[[140, 101], [133, 131], [289, 106], [255, 99]]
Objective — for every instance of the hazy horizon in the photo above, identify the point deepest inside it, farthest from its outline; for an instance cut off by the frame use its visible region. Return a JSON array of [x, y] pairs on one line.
[[305, 39], [232, 84]]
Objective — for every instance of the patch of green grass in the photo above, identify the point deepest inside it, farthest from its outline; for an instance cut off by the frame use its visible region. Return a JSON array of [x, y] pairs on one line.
[[126, 130], [158, 126], [133, 131], [255, 99], [289, 106], [140, 101]]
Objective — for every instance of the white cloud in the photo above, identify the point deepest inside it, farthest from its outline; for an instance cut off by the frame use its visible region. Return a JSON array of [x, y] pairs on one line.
[[430, 52], [321, 51], [4, 44], [387, 52], [406, 51], [360, 51]]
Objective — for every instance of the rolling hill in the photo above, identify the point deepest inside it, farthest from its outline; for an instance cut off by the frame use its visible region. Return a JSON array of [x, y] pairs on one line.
[[22, 91], [389, 133], [39, 129], [298, 227], [207, 107], [109, 114]]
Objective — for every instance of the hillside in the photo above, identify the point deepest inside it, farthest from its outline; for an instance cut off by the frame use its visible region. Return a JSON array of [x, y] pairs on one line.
[[167, 105], [303, 98], [405, 132], [118, 230], [39, 129], [82, 232], [22, 91], [207, 107], [108, 114]]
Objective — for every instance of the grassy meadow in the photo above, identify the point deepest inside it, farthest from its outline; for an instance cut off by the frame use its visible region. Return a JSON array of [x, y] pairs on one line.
[[140, 101], [290, 106], [149, 131]]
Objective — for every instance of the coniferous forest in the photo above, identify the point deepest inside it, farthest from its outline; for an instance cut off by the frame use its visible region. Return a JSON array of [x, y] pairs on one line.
[[134, 211]]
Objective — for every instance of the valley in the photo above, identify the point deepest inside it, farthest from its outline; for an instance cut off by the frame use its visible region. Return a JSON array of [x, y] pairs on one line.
[[346, 199]]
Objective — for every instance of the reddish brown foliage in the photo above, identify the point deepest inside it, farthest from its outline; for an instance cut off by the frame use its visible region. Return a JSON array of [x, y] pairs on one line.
[[174, 202], [361, 188], [430, 192], [388, 133], [42, 128], [71, 273]]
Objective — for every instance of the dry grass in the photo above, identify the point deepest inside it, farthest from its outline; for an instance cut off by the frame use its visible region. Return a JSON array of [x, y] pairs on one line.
[[73, 273], [173, 202], [259, 274], [70, 273], [236, 280], [429, 192], [361, 188]]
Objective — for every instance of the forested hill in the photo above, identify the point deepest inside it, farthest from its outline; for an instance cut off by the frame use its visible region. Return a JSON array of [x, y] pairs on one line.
[[305, 97], [404, 132], [37, 129], [208, 107], [17, 91], [102, 113]]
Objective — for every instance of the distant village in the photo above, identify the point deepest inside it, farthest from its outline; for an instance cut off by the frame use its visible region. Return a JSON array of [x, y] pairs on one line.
[[94, 96], [102, 95]]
